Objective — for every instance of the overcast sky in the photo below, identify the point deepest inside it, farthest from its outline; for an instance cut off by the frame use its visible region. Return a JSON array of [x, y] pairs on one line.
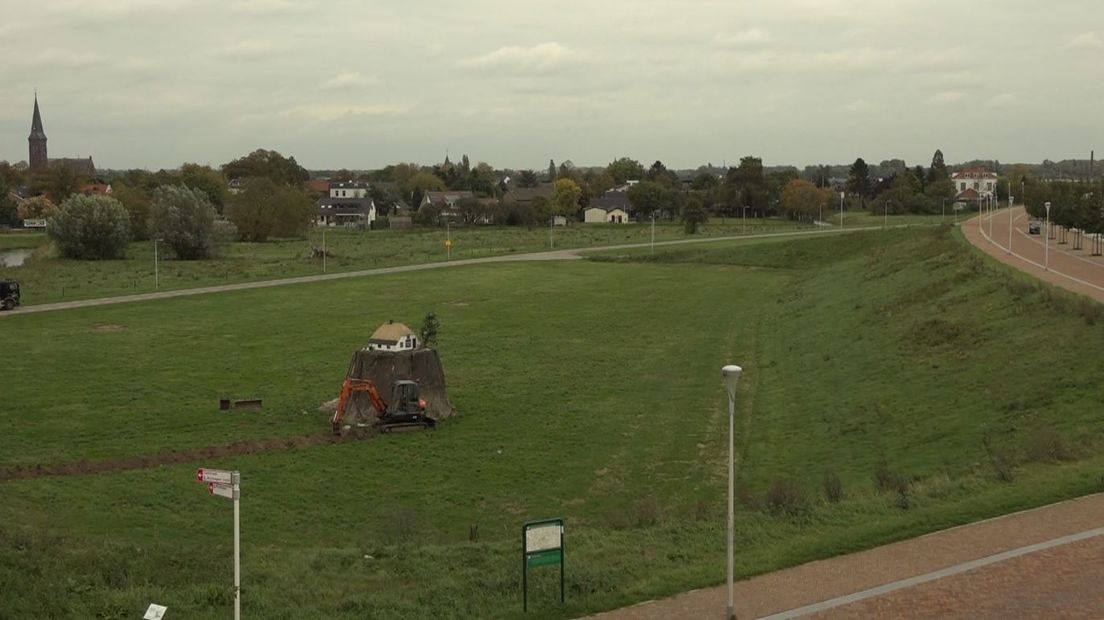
[[360, 84]]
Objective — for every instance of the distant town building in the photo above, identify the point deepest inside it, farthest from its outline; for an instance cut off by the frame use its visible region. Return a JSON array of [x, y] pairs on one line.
[[38, 159], [348, 204], [974, 184]]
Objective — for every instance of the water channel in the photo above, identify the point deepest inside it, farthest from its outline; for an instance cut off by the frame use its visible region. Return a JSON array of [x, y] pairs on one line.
[[16, 257]]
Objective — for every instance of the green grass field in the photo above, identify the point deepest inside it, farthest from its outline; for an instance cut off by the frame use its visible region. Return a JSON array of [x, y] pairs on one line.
[[587, 390], [47, 279]]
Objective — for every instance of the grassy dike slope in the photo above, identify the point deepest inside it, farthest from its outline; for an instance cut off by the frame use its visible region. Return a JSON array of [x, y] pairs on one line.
[[589, 391]]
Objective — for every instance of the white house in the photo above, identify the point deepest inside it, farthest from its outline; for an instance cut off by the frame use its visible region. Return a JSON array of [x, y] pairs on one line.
[[974, 184], [605, 214], [349, 189], [392, 336], [347, 204]]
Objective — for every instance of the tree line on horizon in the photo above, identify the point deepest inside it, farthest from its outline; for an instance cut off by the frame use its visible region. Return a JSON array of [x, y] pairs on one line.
[[271, 199]]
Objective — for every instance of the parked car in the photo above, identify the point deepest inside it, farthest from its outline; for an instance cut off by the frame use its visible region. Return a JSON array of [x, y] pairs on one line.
[[1034, 227]]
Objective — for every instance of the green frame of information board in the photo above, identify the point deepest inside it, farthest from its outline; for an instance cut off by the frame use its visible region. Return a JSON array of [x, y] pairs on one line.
[[544, 557]]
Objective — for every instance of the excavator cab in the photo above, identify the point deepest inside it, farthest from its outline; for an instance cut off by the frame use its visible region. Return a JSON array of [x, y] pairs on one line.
[[406, 407]]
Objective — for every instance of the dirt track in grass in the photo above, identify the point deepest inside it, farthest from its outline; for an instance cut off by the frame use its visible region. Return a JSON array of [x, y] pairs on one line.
[[174, 457]]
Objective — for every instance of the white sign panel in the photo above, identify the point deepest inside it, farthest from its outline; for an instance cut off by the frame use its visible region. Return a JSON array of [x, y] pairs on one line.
[[34, 223], [222, 490], [543, 537], [155, 612], [217, 476]]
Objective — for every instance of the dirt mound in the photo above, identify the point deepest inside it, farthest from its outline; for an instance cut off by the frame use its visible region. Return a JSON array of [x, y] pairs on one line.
[[385, 367]]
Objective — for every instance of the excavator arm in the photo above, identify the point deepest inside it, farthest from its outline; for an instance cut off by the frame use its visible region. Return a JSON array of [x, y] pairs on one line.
[[350, 387]]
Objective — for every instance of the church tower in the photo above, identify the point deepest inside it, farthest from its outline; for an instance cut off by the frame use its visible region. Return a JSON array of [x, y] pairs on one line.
[[37, 141]]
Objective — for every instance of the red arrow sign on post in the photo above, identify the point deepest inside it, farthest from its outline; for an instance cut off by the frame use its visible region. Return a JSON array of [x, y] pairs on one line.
[[217, 476]]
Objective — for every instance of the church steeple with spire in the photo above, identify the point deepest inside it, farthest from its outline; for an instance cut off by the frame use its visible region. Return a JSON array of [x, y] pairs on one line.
[[37, 141]]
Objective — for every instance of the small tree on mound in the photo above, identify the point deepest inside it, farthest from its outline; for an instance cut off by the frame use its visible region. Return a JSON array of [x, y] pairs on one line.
[[430, 326], [90, 228], [185, 219]]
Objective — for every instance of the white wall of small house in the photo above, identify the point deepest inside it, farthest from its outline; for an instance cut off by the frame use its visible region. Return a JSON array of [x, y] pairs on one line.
[[594, 215], [348, 192], [617, 216]]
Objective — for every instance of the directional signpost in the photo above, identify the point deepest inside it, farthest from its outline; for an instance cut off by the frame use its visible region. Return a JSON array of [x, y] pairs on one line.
[[224, 483], [542, 544]]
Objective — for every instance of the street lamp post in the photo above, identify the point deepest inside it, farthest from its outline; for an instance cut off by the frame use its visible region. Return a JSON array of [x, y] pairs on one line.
[[841, 210], [943, 213], [653, 232], [448, 239], [1011, 200], [551, 221], [156, 274], [323, 250], [885, 217], [731, 376], [1046, 241], [992, 200]]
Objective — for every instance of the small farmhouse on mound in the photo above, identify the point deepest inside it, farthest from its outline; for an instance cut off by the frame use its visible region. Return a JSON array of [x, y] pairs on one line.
[[393, 336]]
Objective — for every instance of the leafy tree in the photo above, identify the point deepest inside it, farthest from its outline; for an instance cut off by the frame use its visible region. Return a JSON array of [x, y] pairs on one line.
[[36, 208], [184, 219], [648, 197], [598, 182], [481, 180], [269, 164], [430, 327], [802, 200], [12, 176], [136, 201], [705, 182], [660, 174], [565, 198], [693, 214], [205, 178], [9, 215], [938, 169], [90, 228], [264, 209], [858, 179], [551, 170], [542, 209], [753, 191], [63, 180], [777, 181], [527, 178], [625, 169], [471, 210], [420, 183]]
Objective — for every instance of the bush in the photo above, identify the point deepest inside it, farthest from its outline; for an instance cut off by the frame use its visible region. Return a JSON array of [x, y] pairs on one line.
[[787, 497], [884, 478], [90, 228], [833, 487], [184, 219], [1048, 446], [380, 223]]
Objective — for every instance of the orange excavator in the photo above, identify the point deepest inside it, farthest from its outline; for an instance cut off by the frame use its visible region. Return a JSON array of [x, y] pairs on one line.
[[406, 408]]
